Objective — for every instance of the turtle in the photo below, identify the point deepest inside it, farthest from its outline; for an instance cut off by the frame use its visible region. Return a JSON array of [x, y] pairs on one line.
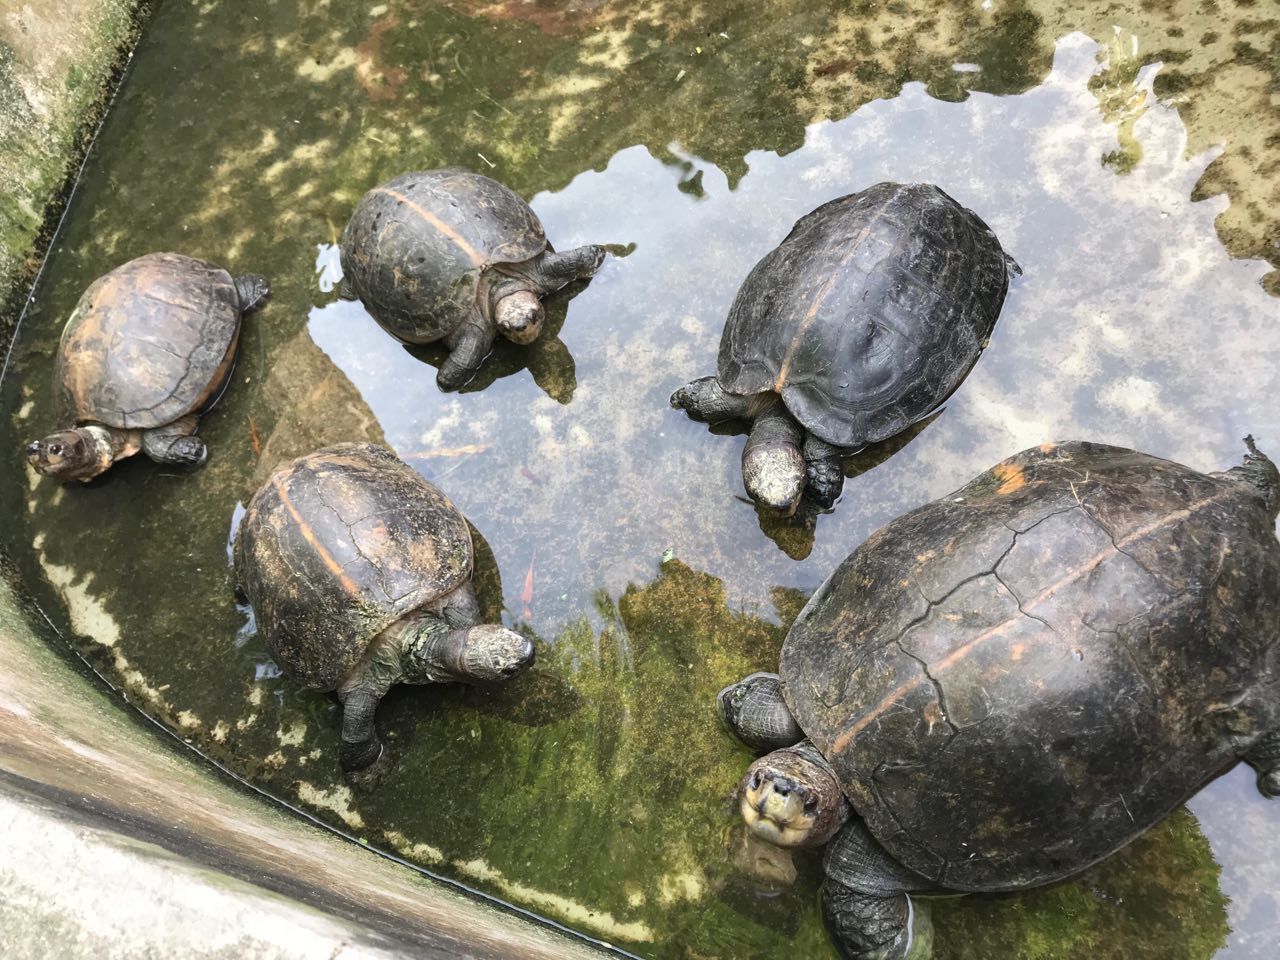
[[1007, 685], [149, 348], [358, 572], [860, 323], [454, 256]]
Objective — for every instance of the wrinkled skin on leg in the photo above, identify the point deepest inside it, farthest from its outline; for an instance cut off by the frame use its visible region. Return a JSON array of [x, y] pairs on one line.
[[448, 647], [824, 474], [781, 460], [1264, 757], [865, 902], [705, 400], [511, 305], [176, 443], [753, 710]]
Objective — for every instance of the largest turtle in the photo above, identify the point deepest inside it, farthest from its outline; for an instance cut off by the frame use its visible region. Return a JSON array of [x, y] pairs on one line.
[[359, 575], [859, 324], [149, 347], [454, 256], [1009, 684]]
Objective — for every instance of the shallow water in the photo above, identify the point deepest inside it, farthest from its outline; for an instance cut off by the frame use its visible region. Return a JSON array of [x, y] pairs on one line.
[[597, 790]]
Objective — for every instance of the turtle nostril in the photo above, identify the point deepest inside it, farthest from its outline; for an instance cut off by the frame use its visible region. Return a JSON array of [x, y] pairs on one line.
[[33, 448]]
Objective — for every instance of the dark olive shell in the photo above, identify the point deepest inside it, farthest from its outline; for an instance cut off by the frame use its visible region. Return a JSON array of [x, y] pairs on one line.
[[149, 342], [1016, 680], [337, 546], [869, 314], [416, 247]]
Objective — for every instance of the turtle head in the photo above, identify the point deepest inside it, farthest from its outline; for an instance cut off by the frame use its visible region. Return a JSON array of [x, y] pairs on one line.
[[792, 798], [519, 316], [774, 475], [69, 454]]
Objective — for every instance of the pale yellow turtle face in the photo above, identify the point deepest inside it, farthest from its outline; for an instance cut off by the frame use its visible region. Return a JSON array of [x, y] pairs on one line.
[[791, 801]]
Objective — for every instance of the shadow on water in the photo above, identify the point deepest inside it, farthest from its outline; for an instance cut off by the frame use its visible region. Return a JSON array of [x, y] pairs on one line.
[[598, 788]]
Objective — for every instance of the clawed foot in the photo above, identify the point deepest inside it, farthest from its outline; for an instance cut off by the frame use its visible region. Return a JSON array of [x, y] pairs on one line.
[[824, 482], [367, 777], [189, 452]]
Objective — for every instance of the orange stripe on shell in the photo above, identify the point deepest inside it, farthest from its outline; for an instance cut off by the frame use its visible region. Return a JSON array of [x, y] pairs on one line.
[[309, 535], [474, 255], [812, 312], [963, 651]]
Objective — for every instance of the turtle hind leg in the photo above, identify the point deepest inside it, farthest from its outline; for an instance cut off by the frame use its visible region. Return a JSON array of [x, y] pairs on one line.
[[865, 902], [468, 346], [555, 270], [252, 291], [753, 711], [824, 474], [704, 399], [176, 443]]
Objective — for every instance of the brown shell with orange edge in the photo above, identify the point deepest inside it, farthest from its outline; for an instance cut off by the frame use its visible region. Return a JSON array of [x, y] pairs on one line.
[[149, 342], [1014, 681], [869, 314], [337, 546]]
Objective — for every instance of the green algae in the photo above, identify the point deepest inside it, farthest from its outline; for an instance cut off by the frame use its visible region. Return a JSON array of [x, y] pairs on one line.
[[598, 789], [54, 66]]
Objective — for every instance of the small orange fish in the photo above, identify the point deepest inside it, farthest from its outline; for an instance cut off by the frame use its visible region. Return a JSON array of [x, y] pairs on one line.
[[253, 439], [526, 595]]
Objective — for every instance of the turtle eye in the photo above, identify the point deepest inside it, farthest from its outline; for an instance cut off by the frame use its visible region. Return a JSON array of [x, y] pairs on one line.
[[810, 804], [55, 449]]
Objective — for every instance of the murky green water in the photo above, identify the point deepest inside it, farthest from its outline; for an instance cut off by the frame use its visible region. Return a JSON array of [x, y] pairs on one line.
[[597, 791]]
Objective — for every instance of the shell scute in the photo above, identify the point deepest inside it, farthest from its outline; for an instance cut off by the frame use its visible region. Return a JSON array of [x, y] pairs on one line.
[[148, 342]]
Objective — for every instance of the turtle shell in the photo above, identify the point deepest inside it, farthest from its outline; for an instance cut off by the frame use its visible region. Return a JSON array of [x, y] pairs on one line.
[[149, 342], [337, 546], [416, 247], [869, 314], [1016, 680]]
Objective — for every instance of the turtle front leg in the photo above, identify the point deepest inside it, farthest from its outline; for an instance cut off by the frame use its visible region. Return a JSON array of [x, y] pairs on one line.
[[554, 270], [824, 473], [433, 651], [865, 902], [361, 754], [1264, 757], [704, 399], [755, 713], [468, 346], [176, 443], [773, 468]]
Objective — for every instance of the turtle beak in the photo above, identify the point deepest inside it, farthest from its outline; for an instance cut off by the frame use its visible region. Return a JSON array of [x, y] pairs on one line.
[[33, 450]]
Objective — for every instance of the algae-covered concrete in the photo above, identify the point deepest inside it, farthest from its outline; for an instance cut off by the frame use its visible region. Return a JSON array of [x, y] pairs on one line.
[[55, 61], [115, 844]]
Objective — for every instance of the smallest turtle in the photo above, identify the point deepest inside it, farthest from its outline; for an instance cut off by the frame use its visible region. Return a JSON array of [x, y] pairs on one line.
[[359, 574], [147, 350], [454, 256]]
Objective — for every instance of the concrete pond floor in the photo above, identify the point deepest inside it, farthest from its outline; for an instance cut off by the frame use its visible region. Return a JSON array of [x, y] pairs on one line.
[[1127, 160]]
